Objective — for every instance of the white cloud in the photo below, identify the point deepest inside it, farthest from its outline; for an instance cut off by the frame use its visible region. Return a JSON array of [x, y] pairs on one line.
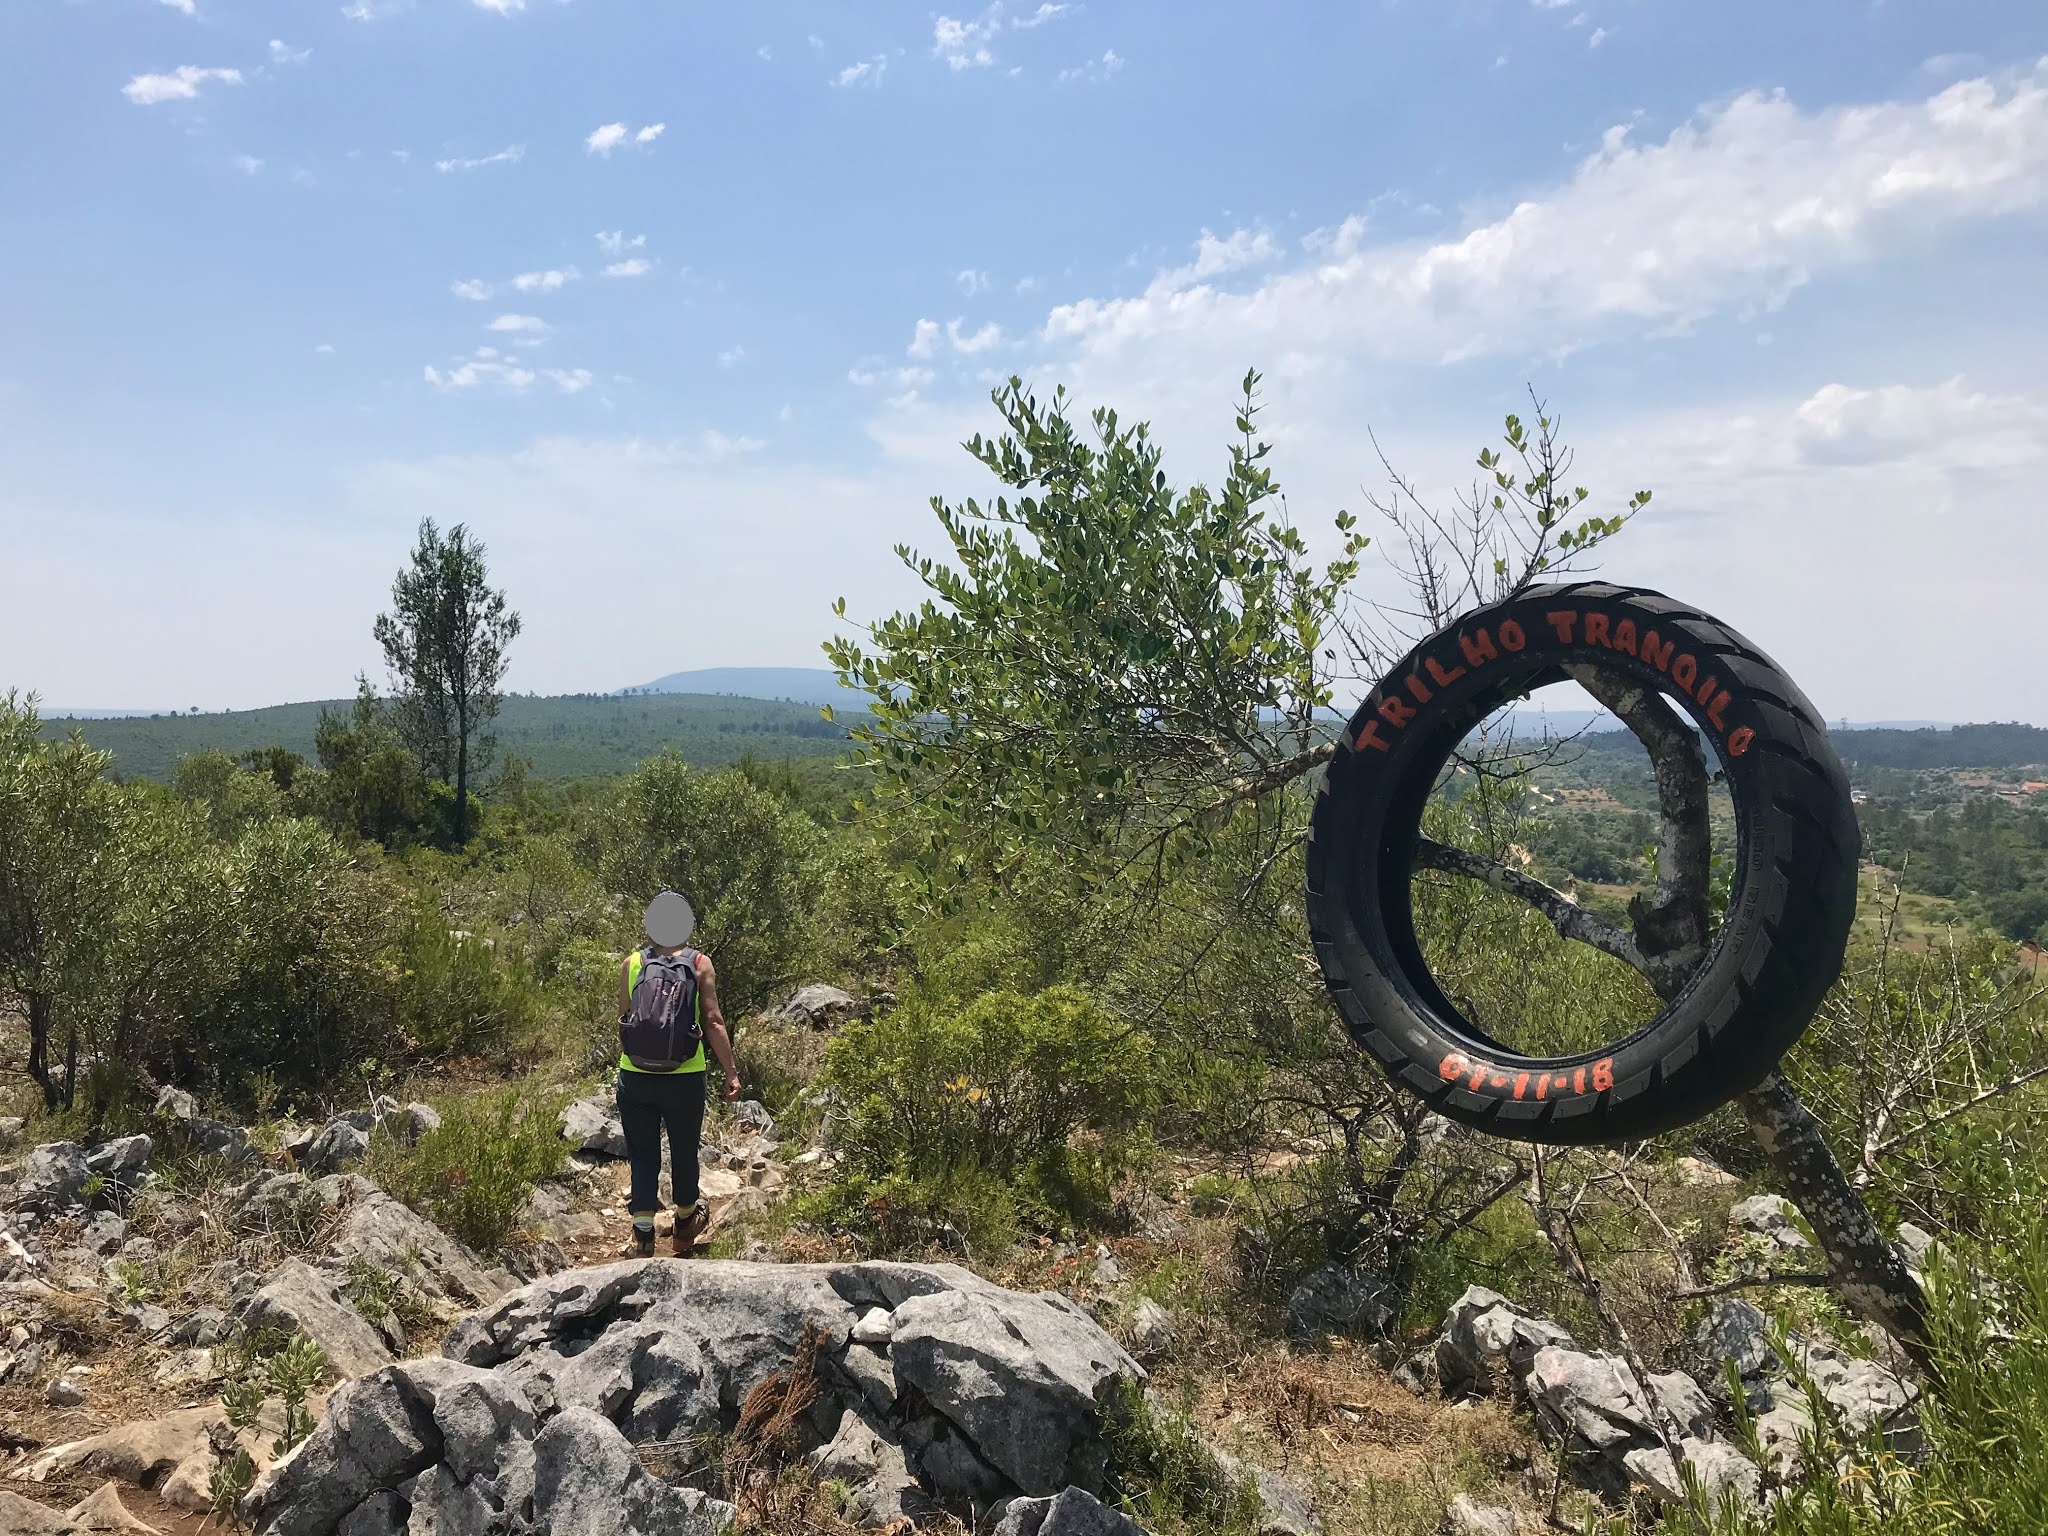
[[972, 282], [765, 54], [1599, 36], [602, 141], [1049, 11], [325, 348], [731, 355], [613, 242], [472, 288], [181, 84], [1945, 426], [814, 40], [487, 366], [965, 44], [978, 341], [866, 72], [284, 53], [531, 325], [924, 340], [502, 7], [1095, 71], [183, 7], [511, 154], [248, 165], [545, 282], [373, 10], [636, 266], [1741, 206]]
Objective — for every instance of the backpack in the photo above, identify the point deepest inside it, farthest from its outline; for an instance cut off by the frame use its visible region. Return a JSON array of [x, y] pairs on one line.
[[661, 1030]]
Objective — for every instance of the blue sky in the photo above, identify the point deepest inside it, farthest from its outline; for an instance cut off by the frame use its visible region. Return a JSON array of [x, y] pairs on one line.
[[725, 286]]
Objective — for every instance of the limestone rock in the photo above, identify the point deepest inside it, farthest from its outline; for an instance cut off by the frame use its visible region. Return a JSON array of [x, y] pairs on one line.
[[303, 1299], [1468, 1517], [25, 1517], [752, 1116], [1152, 1332], [586, 1482], [1595, 1400], [104, 1511], [1021, 1376], [1732, 1330], [1698, 1173], [54, 1177], [593, 1125], [1341, 1298], [122, 1161], [137, 1453], [1070, 1512], [66, 1391], [1770, 1216], [176, 1104], [390, 1236], [343, 1139], [819, 1006], [1720, 1468], [1482, 1330], [874, 1327]]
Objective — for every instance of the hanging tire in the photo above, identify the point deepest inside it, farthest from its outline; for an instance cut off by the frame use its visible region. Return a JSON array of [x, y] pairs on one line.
[[1781, 938]]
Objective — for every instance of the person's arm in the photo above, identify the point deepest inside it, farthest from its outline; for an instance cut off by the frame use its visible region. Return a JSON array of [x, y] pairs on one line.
[[625, 986], [714, 1025]]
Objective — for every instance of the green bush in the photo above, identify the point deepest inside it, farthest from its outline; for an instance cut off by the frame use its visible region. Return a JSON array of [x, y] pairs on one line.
[[742, 854], [457, 994], [999, 1087], [472, 1176]]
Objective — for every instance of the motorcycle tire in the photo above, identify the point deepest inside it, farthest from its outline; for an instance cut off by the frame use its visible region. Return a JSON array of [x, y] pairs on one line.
[[1790, 903]]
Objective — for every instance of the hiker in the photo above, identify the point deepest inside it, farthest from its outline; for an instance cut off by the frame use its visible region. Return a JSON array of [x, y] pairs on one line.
[[668, 1013]]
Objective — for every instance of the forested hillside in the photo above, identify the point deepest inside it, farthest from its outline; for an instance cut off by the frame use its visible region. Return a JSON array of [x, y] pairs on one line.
[[561, 737]]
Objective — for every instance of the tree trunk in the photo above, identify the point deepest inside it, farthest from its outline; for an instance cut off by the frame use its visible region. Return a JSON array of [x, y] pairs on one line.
[[1866, 1273], [71, 1068], [39, 1047], [461, 777]]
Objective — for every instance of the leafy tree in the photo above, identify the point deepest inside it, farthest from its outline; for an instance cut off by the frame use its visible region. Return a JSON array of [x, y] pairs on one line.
[[445, 642], [742, 854], [61, 880], [373, 788]]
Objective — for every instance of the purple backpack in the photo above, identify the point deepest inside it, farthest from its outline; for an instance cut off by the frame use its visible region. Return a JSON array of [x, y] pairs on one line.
[[661, 1029]]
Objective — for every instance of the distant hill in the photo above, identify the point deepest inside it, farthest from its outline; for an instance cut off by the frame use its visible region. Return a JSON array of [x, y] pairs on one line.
[[804, 685], [569, 736]]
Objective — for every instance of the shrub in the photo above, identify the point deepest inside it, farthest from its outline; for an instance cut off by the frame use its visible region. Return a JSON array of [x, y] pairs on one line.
[[473, 1174], [999, 1087], [457, 995], [742, 854]]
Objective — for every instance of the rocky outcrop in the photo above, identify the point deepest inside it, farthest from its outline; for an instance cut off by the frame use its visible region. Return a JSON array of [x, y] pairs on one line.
[[818, 1006], [299, 1298], [592, 1125], [1483, 1333], [54, 1178], [1342, 1298]]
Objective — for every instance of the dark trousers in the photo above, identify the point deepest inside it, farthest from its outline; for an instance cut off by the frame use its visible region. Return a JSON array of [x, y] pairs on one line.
[[649, 1101]]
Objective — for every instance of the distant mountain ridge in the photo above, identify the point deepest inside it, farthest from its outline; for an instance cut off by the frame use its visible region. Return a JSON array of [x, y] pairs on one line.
[[804, 685]]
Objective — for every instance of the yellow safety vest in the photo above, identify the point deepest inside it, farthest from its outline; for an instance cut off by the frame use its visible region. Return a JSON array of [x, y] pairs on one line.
[[696, 1062]]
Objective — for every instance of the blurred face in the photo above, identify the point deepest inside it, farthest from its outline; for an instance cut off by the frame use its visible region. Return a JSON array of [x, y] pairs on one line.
[[669, 921]]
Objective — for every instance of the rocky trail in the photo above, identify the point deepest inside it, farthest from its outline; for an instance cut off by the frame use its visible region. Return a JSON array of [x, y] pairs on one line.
[[564, 1387]]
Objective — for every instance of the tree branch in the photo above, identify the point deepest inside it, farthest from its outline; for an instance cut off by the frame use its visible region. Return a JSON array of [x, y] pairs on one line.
[[1997, 1090], [1698, 1292], [1569, 919]]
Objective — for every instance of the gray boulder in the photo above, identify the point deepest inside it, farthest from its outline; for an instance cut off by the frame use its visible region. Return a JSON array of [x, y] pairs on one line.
[[1152, 1332], [299, 1298], [586, 1482], [341, 1140], [122, 1161], [54, 1177], [1283, 1508], [1023, 1377], [868, 1458], [25, 1517], [1070, 1512], [1772, 1217], [1484, 1330], [1723, 1472], [1341, 1298], [216, 1138], [380, 1432], [1732, 1330], [409, 1122], [593, 1125], [1594, 1401], [176, 1104], [752, 1115], [1468, 1517], [440, 1272], [820, 1007]]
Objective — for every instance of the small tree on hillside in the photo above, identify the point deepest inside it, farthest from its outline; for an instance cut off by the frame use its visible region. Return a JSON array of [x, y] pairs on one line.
[[445, 642]]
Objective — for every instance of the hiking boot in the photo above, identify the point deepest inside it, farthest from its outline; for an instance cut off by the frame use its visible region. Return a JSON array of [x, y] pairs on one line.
[[643, 1243], [689, 1226]]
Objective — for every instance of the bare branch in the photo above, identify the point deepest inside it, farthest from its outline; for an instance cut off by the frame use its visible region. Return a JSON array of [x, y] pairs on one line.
[[1997, 1090], [1569, 919], [1753, 1282]]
